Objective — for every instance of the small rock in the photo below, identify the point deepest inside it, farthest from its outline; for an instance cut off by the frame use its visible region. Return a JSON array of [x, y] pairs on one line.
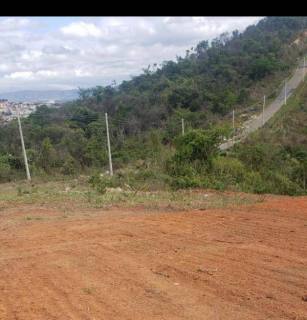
[[304, 298]]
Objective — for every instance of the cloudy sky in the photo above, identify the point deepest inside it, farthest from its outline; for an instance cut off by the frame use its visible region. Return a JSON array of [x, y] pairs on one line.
[[42, 53]]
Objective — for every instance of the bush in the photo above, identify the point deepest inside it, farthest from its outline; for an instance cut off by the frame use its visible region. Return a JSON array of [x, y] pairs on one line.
[[70, 166], [198, 144], [228, 169], [192, 159], [254, 183], [5, 169], [101, 183], [186, 182], [281, 184]]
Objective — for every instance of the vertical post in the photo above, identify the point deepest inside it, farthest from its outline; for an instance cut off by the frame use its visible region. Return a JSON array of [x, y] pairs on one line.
[[23, 147], [263, 106], [233, 120], [285, 91], [233, 126], [304, 69], [109, 145], [182, 126]]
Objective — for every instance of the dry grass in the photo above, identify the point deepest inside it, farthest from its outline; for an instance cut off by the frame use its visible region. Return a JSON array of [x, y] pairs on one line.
[[78, 194]]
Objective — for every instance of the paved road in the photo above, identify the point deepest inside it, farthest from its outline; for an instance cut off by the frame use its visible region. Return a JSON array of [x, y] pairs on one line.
[[252, 125]]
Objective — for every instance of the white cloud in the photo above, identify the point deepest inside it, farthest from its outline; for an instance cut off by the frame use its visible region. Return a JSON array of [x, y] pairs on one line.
[[89, 51], [31, 55], [29, 75], [82, 73], [46, 73], [10, 24], [4, 67], [82, 29], [26, 75]]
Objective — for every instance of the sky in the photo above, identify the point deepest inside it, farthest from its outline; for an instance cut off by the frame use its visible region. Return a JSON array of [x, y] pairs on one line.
[[51, 53]]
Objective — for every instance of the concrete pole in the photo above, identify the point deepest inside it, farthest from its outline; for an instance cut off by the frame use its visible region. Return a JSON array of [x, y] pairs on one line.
[[233, 126], [233, 120], [23, 147], [263, 106], [109, 146], [182, 126], [285, 91], [304, 69]]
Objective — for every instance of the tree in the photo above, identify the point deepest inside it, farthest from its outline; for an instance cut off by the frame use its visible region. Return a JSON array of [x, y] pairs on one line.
[[5, 169], [262, 67], [70, 166], [48, 156], [198, 144], [82, 117]]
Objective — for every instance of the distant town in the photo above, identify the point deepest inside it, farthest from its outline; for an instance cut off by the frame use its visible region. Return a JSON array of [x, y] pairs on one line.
[[9, 109]]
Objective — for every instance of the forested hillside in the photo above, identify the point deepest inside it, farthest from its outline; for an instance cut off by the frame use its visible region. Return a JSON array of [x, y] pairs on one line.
[[277, 154], [233, 71]]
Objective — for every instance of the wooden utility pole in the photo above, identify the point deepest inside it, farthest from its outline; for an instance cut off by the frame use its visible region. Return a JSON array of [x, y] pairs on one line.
[[23, 147], [109, 146]]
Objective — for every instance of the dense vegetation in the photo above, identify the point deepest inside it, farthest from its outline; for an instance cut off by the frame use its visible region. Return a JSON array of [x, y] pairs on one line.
[[145, 113]]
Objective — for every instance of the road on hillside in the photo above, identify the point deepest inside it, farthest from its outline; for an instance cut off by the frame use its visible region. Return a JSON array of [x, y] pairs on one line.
[[252, 125]]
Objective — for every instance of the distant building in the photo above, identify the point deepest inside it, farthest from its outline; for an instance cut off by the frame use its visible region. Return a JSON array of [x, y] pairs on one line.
[[8, 109]]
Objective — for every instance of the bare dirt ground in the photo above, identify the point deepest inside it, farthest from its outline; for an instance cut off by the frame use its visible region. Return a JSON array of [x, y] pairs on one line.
[[248, 262]]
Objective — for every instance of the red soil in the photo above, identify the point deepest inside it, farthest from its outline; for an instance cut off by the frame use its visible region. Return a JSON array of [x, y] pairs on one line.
[[244, 263]]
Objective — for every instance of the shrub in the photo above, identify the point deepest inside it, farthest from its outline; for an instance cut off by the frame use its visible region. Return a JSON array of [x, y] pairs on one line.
[[197, 145], [253, 182], [101, 183], [5, 169], [186, 182], [228, 169], [70, 166], [281, 184]]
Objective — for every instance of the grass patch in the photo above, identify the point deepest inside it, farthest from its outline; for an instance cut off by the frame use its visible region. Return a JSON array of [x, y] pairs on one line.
[[33, 218], [59, 194], [88, 290]]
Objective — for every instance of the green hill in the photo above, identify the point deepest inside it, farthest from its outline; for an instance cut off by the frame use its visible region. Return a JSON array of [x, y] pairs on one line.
[[233, 71], [279, 150]]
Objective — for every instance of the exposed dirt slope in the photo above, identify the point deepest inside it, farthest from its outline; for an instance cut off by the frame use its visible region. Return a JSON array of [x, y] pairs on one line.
[[242, 263]]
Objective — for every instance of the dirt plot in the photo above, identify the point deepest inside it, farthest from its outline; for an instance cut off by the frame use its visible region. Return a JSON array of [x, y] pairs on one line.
[[248, 262]]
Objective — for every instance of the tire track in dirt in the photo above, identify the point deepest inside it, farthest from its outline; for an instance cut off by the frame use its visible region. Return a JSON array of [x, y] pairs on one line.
[[239, 263]]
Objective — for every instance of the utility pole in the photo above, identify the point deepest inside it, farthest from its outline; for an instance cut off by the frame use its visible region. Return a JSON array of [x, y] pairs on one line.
[[233, 125], [23, 147], [263, 106], [109, 146], [304, 69], [285, 91], [233, 120], [182, 126]]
